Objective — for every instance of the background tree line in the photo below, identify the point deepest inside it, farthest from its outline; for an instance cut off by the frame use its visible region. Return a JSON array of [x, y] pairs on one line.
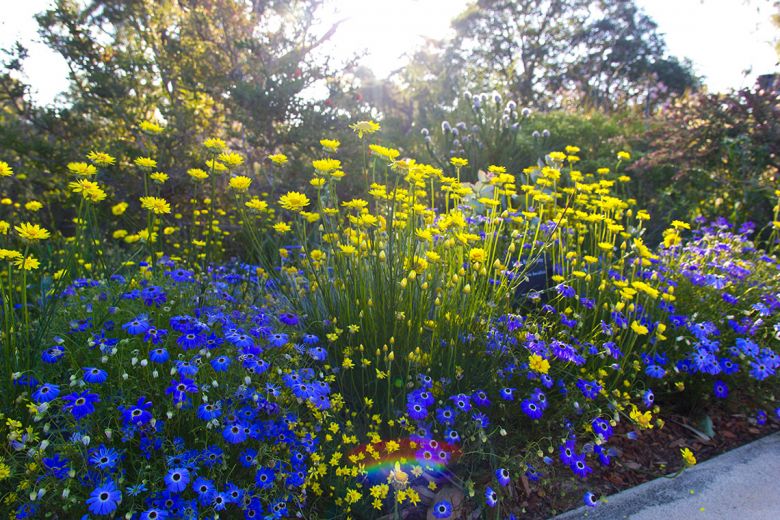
[[590, 73]]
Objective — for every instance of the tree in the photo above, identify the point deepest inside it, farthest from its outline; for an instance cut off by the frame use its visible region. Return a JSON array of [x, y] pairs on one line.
[[199, 67], [606, 54]]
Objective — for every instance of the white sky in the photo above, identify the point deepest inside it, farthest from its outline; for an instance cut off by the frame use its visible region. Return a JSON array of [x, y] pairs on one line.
[[723, 38]]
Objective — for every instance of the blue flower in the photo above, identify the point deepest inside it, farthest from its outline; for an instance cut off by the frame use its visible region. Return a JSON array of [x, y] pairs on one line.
[[416, 411], [104, 499], [532, 409], [205, 490], [442, 509], [567, 452], [159, 355], [80, 404], [137, 326], [235, 433], [318, 353], [155, 336], [176, 480], [53, 354], [649, 398], [502, 474], [579, 466], [208, 411], [94, 375], [760, 371], [589, 389], [104, 458], [179, 389], [507, 394], [601, 427], [590, 499], [221, 363], [721, 389], [46, 393], [264, 478], [154, 514], [491, 498], [137, 415], [57, 466]]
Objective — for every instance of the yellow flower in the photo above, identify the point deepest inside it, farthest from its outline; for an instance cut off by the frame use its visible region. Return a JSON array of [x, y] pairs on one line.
[[538, 364], [256, 204], [82, 168], [364, 127], [317, 182], [688, 457], [347, 249], [240, 182], [9, 254], [88, 189], [101, 158], [119, 208], [358, 204], [281, 227], [602, 171], [197, 174], [459, 162], [326, 165], [28, 263], [477, 255], [4, 227], [147, 163], [5, 169], [353, 496], [214, 144], [678, 224], [32, 232], [642, 419], [231, 159], [294, 201], [156, 205], [496, 169], [391, 154], [119, 233], [330, 145], [151, 127], [278, 158], [638, 328], [623, 156], [33, 205], [216, 166], [5, 471], [557, 156], [159, 177]]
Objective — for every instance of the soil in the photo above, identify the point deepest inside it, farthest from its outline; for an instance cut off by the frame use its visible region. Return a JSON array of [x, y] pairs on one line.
[[650, 455]]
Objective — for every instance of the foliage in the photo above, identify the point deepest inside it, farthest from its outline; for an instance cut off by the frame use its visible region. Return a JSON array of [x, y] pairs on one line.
[[715, 154]]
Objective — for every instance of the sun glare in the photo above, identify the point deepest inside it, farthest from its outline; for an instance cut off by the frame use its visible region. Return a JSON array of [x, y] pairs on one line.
[[388, 30]]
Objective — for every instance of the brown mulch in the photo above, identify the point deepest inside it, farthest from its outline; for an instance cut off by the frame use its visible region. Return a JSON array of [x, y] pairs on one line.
[[651, 455]]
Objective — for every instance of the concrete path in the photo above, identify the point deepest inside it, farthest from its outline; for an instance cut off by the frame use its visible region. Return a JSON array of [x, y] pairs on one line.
[[742, 484]]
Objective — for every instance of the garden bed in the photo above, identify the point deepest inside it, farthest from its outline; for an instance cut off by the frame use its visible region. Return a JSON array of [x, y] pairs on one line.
[[649, 456]]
